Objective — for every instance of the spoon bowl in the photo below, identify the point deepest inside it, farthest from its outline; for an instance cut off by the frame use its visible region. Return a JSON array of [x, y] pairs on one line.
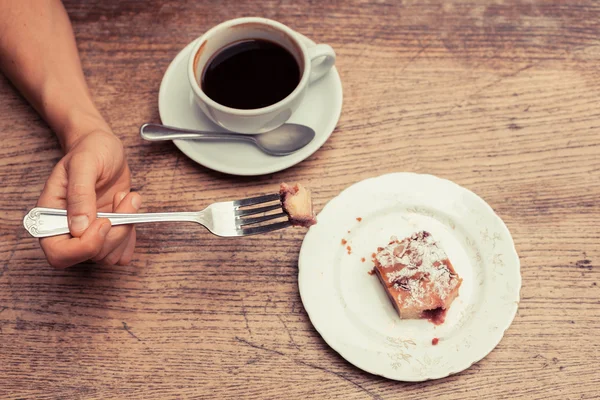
[[286, 139]]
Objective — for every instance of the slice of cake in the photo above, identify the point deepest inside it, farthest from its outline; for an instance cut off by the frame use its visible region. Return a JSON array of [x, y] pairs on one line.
[[297, 204], [418, 277]]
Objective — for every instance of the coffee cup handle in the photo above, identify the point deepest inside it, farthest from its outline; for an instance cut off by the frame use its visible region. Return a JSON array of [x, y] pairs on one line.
[[322, 58]]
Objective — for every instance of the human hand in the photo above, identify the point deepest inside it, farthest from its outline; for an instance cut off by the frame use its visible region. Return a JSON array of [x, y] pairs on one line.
[[93, 176]]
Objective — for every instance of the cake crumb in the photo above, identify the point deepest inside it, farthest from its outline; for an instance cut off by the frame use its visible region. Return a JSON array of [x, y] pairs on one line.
[[344, 241], [349, 249], [371, 271], [358, 219], [435, 341], [362, 259]]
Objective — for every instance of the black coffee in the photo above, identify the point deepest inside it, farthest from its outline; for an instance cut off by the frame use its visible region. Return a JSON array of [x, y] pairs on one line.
[[250, 74]]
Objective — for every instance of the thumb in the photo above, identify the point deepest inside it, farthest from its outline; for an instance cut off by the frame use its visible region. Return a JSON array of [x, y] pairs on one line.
[[81, 192]]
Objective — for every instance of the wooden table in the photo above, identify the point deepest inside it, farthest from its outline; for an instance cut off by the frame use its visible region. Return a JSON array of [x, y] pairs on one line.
[[501, 97]]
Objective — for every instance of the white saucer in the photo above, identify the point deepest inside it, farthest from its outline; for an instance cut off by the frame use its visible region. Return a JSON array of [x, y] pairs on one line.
[[350, 309], [320, 110]]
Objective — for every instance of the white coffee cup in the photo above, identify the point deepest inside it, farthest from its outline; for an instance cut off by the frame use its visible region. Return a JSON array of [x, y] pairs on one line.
[[314, 63]]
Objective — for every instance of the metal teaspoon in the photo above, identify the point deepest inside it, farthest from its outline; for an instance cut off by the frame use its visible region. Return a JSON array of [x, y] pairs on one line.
[[281, 141]]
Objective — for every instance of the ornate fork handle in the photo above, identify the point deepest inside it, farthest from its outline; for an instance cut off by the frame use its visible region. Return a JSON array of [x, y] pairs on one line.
[[43, 222]]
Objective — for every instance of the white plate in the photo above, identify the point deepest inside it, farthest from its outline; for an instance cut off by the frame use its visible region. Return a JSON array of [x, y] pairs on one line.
[[349, 307], [320, 110]]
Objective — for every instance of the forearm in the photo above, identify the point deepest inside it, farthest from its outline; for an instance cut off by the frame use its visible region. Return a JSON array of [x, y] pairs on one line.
[[39, 55]]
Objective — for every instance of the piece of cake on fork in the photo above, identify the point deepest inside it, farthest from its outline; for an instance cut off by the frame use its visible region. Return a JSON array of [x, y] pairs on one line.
[[417, 276], [297, 204]]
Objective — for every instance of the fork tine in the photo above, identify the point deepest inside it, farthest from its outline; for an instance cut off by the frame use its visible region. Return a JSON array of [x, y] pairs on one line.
[[250, 211], [249, 221], [256, 200], [265, 228]]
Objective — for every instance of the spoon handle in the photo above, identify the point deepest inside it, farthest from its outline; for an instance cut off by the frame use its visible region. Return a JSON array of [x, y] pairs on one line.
[[156, 132]]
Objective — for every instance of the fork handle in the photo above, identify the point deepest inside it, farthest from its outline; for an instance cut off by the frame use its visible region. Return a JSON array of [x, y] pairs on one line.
[[43, 222]]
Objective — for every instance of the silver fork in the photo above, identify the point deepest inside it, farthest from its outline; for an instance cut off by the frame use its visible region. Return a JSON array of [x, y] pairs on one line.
[[227, 219]]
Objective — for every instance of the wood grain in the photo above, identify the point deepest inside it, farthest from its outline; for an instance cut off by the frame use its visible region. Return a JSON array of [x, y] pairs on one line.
[[499, 96]]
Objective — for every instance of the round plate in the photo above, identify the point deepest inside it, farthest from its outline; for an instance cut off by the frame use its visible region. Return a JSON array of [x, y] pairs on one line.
[[320, 110], [349, 307]]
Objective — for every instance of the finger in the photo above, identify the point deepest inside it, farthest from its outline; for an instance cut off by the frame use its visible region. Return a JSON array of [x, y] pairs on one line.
[[118, 234], [54, 193], [64, 251], [115, 256], [129, 249], [81, 192], [117, 199]]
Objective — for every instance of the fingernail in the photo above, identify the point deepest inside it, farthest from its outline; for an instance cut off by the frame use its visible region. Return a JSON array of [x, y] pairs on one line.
[[122, 196], [79, 223], [104, 229], [136, 201]]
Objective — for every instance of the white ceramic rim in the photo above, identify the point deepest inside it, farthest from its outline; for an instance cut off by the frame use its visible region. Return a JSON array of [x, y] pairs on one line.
[[290, 33], [331, 336]]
